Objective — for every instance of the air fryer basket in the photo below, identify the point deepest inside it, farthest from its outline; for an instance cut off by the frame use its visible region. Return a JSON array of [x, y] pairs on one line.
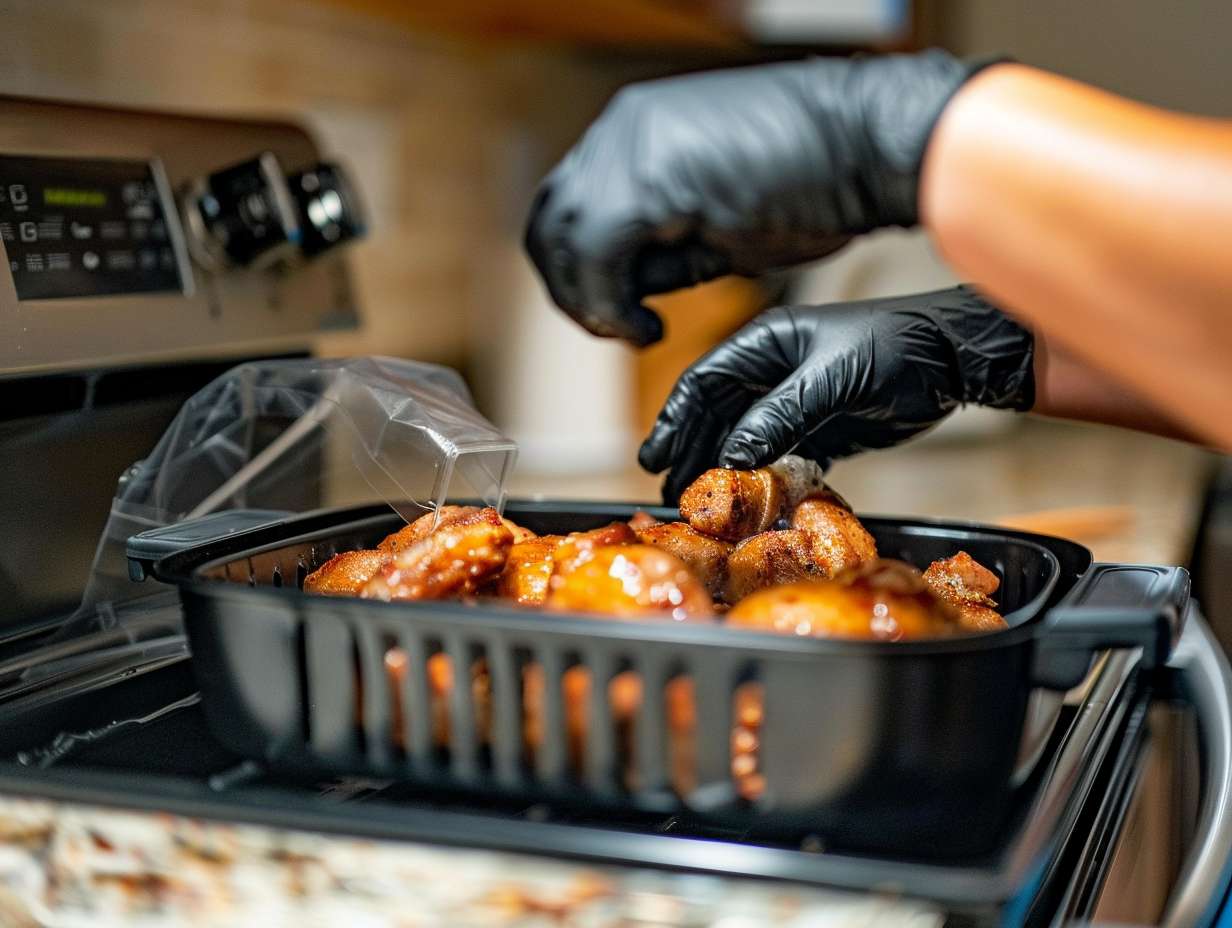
[[869, 745]]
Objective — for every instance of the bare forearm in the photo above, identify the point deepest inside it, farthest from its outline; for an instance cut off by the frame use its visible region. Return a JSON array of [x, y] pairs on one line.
[[1104, 224], [1069, 388]]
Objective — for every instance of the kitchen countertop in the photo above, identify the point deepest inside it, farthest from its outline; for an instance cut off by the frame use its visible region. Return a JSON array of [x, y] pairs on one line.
[[1129, 497], [70, 865], [73, 866]]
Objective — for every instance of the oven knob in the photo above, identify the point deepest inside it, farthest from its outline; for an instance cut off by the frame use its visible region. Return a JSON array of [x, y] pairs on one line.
[[329, 211], [242, 216]]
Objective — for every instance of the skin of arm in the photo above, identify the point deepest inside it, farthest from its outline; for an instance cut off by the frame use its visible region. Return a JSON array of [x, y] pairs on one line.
[[1069, 388], [1104, 224]]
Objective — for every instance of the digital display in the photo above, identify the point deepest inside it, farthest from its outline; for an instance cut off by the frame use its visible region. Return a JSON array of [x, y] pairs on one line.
[[86, 227], [67, 196]]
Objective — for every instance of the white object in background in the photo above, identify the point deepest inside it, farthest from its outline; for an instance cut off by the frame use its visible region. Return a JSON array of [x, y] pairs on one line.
[[799, 22], [565, 396], [893, 262]]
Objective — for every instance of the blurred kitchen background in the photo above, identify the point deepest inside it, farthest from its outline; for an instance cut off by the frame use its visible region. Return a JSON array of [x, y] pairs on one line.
[[449, 111]]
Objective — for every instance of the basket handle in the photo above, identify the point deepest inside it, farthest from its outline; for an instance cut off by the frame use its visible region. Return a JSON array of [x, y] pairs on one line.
[[152, 545], [1112, 606]]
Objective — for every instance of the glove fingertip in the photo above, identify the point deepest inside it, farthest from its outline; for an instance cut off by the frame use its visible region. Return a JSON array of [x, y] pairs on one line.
[[738, 453], [650, 456]]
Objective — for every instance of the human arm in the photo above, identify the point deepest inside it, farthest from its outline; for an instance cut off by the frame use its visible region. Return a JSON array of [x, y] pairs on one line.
[[1105, 225]]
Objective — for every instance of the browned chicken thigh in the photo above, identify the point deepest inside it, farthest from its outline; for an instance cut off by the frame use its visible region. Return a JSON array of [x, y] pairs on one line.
[[733, 504], [455, 560], [527, 571], [430, 522], [968, 585], [346, 574], [706, 557], [629, 581], [839, 539], [882, 600]]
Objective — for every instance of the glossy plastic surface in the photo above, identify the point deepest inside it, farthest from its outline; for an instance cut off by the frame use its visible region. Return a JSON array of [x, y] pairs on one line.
[[869, 745]]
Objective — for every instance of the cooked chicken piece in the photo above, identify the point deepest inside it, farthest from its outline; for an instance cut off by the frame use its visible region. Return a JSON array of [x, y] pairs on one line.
[[576, 547], [629, 581], [883, 600], [771, 558], [527, 571], [824, 538], [733, 504], [642, 521], [839, 539], [706, 557], [433, 521], [424, 526], [452, 561], [965, 583], [520, 534], [345, 574]]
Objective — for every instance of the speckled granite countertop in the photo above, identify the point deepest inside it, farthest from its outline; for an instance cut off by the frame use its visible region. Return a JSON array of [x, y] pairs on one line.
[[80, 867], [69, 865]]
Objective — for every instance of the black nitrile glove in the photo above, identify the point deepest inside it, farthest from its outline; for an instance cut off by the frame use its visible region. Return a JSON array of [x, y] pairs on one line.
[[745, 170], [826, 382]]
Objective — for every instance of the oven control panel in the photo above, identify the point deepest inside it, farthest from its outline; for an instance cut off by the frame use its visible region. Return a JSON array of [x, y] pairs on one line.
[[77, 227], [132, 237]]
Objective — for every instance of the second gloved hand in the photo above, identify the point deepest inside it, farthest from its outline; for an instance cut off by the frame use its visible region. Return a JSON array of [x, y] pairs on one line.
[[826, 382]]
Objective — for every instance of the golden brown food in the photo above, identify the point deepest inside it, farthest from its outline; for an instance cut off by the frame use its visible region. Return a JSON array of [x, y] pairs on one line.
[[883, 600], [706, 557], [968, 585], [455, 560], [629, 581], [733, 504], [577, 547], [771, 558], [424, 526], [345, 574], [527, 571], [641, 521], [839, 539], [520, 534]]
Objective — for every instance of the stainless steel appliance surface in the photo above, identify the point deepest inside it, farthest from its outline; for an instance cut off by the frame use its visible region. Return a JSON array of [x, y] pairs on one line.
[[146, 251]]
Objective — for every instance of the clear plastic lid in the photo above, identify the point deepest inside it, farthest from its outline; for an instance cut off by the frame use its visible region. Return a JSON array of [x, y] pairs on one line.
[[304, 434]]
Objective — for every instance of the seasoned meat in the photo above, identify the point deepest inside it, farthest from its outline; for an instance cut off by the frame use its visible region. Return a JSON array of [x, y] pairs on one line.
[[424, 526], [577, 547], [706, 557], [882, 600], [733, 504], [454, 560], [968, 585], [839, 539], [433, 521], [345, 574], [642, 521], [629, 581], [771, 558], [527, 571]]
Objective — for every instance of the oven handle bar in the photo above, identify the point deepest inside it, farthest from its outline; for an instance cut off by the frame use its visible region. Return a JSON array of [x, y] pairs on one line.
[[1206, 677]]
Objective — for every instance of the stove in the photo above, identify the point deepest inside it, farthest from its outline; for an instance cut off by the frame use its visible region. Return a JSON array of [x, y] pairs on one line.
[[148, 252]]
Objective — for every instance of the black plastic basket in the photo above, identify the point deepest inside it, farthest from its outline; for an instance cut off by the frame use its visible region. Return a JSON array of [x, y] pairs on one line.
[[869, 745]]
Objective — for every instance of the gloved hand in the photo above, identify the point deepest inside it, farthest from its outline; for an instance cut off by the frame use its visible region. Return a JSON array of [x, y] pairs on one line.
[[745, 170], [826, 382]]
